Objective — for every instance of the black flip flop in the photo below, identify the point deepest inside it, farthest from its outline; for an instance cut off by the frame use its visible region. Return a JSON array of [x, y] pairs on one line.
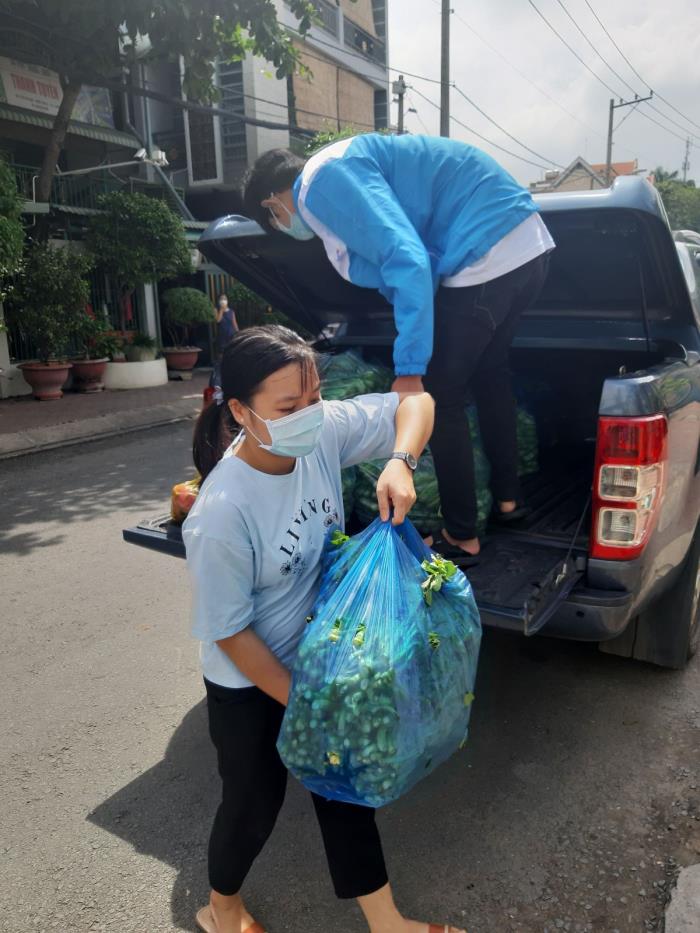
[[450, 552]]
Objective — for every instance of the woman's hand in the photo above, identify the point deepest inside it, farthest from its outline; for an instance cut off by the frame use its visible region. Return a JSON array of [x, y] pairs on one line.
[[395, 489]]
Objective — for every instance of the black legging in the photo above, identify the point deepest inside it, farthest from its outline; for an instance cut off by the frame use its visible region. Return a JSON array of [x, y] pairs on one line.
[[474, 328], [244, 724]]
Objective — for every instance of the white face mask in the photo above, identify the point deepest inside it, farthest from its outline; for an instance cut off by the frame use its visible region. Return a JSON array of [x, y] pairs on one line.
[[294, 435]]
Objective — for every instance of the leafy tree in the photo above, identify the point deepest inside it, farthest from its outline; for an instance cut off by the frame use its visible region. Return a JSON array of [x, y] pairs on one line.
[[11, 231], [660, 174], [49, 302], [185, 307], [137, 239], [90, 43], [330, 134], [682, 203], [252, 310]]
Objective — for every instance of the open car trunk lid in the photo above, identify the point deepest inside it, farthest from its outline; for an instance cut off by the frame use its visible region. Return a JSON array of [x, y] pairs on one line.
[[615, 283], [615, 276]]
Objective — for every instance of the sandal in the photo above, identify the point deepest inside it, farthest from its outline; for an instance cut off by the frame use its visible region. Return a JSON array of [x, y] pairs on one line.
[[460, 557], [206, 923], [439, 928]]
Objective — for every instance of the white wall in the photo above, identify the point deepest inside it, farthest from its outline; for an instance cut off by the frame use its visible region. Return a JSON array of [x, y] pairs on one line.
[[12, 381], [259, 81]]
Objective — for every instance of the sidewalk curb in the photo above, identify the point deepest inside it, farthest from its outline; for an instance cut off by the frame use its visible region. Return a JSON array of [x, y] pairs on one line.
[[683, 913], [37, 440]]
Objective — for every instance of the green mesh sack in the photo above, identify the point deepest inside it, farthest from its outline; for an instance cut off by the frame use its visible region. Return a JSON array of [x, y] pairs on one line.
[[528, 447], [345, 375], [528, 456], [425, 514]]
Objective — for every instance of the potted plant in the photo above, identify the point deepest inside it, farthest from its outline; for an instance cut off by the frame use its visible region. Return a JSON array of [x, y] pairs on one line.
[[141, 349], [48, 307], [184, 307], [97, 344]]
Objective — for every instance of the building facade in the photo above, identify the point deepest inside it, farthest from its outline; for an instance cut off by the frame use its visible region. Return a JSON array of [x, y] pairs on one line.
[[581, 175], [347, 84]]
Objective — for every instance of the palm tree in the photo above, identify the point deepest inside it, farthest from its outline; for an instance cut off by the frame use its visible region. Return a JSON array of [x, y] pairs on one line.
[[660, 174]]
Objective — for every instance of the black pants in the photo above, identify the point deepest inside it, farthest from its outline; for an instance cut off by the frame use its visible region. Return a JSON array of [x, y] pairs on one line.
[[474, 328], [244, 725]]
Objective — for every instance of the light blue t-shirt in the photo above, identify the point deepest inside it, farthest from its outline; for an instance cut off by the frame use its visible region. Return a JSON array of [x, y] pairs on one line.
[[254, 540]]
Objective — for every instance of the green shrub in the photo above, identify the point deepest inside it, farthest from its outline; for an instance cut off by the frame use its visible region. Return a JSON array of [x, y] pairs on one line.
[[11, 232], [49, 304], [185, 307]]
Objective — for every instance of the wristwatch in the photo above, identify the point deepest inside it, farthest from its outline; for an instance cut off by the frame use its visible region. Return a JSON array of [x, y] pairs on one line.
[[407, 458]]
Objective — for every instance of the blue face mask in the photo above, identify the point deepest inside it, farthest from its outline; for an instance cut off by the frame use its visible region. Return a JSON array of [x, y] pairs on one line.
[[294, 435], [297, 228]]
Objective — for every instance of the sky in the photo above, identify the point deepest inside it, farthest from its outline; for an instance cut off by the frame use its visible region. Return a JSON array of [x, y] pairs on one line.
[[661, 41]]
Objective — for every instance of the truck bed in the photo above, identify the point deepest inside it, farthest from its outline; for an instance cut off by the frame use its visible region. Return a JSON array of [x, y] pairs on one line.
[[525, 571]]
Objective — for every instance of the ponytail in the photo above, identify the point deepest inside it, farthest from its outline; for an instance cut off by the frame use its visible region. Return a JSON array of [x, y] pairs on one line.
[[248, 359], [213, 432]]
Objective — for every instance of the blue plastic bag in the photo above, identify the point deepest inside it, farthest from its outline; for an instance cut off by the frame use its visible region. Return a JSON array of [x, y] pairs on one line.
[[383, 682]]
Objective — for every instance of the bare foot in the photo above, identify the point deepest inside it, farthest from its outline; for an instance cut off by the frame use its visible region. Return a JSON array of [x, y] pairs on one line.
[[470, 545], [414, 926], [229, 914]]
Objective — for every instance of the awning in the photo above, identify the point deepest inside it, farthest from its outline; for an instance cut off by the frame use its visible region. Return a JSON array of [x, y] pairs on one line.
[[104, 134], [193, 230]]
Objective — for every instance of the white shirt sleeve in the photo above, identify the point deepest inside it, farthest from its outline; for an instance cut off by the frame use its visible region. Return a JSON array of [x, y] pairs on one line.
[[222, 577], [365, 427]]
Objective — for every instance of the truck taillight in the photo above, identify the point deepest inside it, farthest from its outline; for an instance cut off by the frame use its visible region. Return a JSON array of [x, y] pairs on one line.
[[628, 484]]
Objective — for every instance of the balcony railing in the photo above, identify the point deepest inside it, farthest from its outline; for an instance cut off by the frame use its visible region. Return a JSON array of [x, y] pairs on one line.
[[329, 16], [361, 41], [83, 191]]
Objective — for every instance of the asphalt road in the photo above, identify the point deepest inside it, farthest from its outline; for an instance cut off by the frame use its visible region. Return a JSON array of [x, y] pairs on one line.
[[575, 800]]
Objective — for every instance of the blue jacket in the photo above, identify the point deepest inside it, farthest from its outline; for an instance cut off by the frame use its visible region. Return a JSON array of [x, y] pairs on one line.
[[400, 213]]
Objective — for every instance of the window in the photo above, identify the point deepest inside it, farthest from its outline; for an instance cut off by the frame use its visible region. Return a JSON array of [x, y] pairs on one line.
[[381, 114], [233, 131]]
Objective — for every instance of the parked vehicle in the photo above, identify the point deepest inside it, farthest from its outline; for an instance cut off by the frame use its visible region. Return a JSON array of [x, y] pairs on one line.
[[611, 550]]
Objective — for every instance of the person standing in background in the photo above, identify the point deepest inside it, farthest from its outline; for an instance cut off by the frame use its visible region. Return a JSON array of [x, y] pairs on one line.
[[226, 323]]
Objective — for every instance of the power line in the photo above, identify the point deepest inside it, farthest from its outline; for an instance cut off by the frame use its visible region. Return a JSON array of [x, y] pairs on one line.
[[633, 69], [229, 92], [479, 135], [431, 81], [524, 77], [595, 75], [616, 73], [418, 116], [503, 130]]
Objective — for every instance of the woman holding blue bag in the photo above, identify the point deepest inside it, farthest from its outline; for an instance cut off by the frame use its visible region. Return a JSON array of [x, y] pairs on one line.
[[254, 541]]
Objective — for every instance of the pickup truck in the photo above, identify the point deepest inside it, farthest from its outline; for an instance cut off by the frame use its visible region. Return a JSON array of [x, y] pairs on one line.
[[611, 550]]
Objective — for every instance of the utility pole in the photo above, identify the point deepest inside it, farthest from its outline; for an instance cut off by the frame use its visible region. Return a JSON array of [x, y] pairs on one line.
[[445, 70], [686, 160], [613, 107], [399, 89]]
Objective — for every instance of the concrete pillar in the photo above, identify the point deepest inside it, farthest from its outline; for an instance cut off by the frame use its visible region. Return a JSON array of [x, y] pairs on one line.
[[12, 381], [151, 322]]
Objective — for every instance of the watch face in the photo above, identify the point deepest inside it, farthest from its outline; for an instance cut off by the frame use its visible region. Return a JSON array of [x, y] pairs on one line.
[[411, 461]]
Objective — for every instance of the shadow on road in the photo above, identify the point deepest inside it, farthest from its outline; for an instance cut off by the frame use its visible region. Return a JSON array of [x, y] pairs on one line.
[[60, 488], [554, 723], [166, 812]]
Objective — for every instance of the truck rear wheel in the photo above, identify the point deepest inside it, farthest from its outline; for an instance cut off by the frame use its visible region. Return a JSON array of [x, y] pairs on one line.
[[668, 632]]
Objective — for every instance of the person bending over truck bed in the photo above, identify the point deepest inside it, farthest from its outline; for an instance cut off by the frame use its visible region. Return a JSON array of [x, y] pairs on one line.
[[459, 250]]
